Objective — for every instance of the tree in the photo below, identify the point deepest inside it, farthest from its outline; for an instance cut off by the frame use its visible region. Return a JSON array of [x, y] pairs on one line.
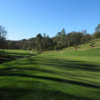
[[60, 39], [97, 29], [86, 37], [96, 35], [3, 33], [97, 32], [47, 43], [74, 38], [39, 42]]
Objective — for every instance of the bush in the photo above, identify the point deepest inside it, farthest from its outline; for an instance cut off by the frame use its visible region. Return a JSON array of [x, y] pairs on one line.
[[92, 44]]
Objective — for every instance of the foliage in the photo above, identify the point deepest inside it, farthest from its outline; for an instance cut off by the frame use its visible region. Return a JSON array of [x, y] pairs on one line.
[[44, 42], [96, 35], [97, 32], [92, 44]]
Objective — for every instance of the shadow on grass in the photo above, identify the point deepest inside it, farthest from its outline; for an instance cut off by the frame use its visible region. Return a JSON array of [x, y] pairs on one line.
[[70, 64], [59, 63], [19, 54], [13, 56], [35, 94], [9, 73], [47, 62]]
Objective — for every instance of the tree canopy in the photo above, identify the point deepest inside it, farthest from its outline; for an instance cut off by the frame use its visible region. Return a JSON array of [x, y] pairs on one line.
[[44, 42]]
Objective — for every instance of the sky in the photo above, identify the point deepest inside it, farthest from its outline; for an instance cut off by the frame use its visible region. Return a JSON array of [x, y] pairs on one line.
[[26, 18]]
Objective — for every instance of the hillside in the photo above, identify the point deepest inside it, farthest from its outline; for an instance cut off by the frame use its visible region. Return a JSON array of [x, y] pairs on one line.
[[54, 75]]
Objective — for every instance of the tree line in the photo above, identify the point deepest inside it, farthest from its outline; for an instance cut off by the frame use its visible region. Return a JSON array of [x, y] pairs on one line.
[[44, 42]]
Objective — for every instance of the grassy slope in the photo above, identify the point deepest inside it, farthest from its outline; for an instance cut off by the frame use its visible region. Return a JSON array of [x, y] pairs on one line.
[[53, 75], [16, 52]]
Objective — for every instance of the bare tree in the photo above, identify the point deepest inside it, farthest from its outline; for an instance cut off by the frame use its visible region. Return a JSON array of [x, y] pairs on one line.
[[3, 33]]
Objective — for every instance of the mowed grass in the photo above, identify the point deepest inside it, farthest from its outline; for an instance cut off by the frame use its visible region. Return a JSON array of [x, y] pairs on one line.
[[53, 75], [20, 53]]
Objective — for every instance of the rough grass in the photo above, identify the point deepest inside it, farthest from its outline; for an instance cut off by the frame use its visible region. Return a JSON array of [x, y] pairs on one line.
[[54, 75]]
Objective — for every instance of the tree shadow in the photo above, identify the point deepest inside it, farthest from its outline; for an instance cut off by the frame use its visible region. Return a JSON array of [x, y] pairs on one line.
[[71, 64], [7, 93], [13, 56], [56, 63], [7, 73]]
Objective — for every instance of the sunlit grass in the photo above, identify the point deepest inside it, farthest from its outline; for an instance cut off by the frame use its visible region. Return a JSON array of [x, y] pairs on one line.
[[55, 75]]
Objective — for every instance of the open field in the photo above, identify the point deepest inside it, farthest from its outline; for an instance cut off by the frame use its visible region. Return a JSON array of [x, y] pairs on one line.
[[53, 75]]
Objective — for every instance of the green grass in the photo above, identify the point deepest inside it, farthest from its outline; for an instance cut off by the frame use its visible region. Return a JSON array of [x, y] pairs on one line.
[[18, 52], [53, 75]]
